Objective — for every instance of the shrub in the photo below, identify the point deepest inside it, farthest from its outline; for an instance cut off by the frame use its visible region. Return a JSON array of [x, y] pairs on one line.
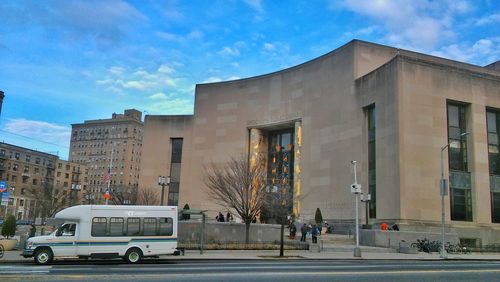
[[9, 227], [318, 217], [186, 216]]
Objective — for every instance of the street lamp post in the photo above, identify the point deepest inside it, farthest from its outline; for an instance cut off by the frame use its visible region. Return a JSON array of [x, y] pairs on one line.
[[366, 199], [443, 191], [356, 190], [163, 181]]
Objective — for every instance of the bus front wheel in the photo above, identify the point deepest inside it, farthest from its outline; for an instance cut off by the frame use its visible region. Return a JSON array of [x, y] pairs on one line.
[[133, 255], [43, 256]]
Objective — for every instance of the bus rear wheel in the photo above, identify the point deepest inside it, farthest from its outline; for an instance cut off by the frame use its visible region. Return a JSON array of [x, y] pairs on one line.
[[43, 256], [133, 255]]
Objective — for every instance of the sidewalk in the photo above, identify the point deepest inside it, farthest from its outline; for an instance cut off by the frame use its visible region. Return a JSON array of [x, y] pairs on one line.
[[15, 256], [329, 246]]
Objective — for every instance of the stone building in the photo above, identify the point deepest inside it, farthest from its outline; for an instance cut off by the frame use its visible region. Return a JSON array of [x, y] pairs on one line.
[[109, 146], [24, 170], [73, 179], [393, 111]]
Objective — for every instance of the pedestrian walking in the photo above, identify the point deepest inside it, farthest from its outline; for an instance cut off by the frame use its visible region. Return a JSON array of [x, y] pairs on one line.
[[293, 231]]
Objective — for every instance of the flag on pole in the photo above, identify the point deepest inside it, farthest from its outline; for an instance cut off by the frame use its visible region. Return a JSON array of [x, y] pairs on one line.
[[107, 176]]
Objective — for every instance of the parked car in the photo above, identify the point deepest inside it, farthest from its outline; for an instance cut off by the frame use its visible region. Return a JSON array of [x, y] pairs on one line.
[[24, 222]]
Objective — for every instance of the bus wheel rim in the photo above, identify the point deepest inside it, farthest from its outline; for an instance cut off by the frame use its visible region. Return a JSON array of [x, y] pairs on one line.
[[134, 256], [43, 257]]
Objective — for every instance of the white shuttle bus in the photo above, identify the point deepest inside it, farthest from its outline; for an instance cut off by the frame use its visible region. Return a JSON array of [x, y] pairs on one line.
[[92, 231]]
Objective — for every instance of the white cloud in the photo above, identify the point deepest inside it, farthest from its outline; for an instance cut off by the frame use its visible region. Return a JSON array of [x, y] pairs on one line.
[[275, 48], [180, 38], [104, 23], [490, 19], [165, 69], [172, 107], [139, 85], [269, 47], [481, 52], [116, 70], [419, 24], [212, 79], [229, 51], [158, 96], [121, 80], [40, 130], [256, 5]]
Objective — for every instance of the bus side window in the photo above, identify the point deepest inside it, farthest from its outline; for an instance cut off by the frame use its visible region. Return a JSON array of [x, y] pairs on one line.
[[133, 226], [116, 226], [99, 226], [166, 226], [149, 226]]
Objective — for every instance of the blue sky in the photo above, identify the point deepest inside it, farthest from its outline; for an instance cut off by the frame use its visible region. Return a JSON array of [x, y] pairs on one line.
[[65, 61]]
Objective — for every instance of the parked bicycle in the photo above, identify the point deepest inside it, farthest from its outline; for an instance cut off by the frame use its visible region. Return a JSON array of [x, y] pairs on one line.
[[456, 248], [426, 246]]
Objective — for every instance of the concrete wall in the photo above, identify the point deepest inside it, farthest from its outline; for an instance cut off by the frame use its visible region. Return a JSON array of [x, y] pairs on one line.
[[157, 151], [227, 232], [391, 239]]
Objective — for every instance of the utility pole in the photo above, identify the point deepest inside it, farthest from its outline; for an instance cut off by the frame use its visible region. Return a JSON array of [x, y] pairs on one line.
[[356, 190]]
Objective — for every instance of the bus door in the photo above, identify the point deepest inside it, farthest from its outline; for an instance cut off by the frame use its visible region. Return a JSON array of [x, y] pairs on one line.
[[65, 241]]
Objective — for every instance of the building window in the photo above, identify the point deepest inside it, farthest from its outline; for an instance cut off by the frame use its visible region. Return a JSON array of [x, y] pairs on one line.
[[372, 179], [175, 171], [493, 124], [280, 164], [460, 185], [28, 158]]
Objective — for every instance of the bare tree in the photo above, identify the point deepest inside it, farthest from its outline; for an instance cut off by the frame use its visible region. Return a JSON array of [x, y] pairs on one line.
[[237, 186], [148, 197], [50, 200], [124, 195]]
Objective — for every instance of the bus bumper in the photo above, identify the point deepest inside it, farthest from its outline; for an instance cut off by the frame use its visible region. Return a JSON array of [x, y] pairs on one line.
[[27, 253]]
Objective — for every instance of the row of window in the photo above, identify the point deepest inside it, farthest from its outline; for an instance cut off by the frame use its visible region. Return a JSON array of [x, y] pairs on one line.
[[460, 184], [17, 156], [132, 226]]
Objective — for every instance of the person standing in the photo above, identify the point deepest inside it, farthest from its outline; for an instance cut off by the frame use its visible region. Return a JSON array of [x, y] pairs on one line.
[[32, 231], [303, 232], [293, 230], [314, 233]]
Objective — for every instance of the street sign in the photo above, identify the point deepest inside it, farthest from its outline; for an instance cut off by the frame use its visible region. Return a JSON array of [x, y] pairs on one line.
[[3, 185], [443, 185], [5, 199]]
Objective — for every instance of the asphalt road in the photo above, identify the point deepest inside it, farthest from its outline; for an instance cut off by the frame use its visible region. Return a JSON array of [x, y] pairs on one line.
[[256, 270]]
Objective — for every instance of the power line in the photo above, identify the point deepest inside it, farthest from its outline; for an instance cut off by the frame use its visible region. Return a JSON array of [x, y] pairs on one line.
[[34, 139]]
